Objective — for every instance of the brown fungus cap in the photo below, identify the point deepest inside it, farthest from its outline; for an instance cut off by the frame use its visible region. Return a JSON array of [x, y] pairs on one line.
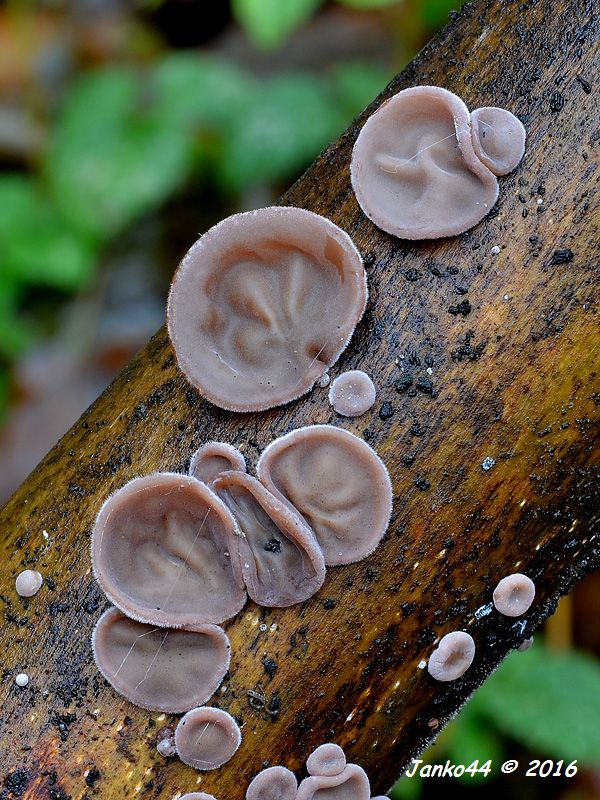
[[263, 304], [498, 138], [352, 393], [514, 595], [452, 657], [279, 557], [337, 483], [327, 760], [161, 669], [273, 783], [206, 738], [414, 170], [352, 782], [213, 458], [161, 552]]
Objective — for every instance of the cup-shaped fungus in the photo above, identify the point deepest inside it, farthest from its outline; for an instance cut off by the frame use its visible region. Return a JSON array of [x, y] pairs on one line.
[[327, 760], [452, 657], [263, 304], [498, 138], [514, 595], [337, 483], [213, 458], [352, 393], [415, 171], [206, 738], [161, 551], [197, 796], [351, 782], [273, 783], [28, 583], [161, 669], [279, 557]]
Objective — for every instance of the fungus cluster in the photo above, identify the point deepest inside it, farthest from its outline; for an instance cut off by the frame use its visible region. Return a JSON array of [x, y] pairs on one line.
[[262, 304], [423, 167]]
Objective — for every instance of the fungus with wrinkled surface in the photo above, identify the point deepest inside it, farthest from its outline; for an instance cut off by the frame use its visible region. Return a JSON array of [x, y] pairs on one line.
[[161, 669], [351, 782], [213, 458], [160, 551], [28, 582], [263, 304], [273, 783], [452, 657], [417, 171], [278, 554], [337, 483], [352, 393], [206, 738], [327, 760], [514, 595]]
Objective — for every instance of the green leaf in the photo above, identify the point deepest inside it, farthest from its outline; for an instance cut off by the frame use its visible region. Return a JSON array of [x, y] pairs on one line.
[[548, 701], [407, 788], [354, 85], [435, 12], [269, 22], [15, 335], [368, 5], [111, 161], [37, 247]]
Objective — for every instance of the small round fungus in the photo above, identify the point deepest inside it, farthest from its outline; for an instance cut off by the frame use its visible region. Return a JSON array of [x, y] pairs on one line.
[[197, 796], [160, 552], [22, 679], [263, 304], [206, 738], [352, 393], [452, 657], [415, 171], [28, 583], [525, 644], [279, 557], [351, 782], [213, 458], [498, 138], [326, 760], [514, 594], [273, 783], [337, 483], [166, 747], [161, 669]]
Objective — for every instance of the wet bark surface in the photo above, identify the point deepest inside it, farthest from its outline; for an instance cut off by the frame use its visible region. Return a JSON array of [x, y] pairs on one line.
[[487, 417]]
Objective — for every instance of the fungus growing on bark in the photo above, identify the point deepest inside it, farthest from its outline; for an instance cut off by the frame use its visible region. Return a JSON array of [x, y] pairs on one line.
[[452, 657], [419, 174], [160, 552], [279, 558], [28, 582], [22, 679], [352, 393], [263, 304], [197, 796], [351, 782], [161, 669], [514, 595], [166, 747], [206, 738], [273, 783], [213, 458], [327, 760], [337, 483]]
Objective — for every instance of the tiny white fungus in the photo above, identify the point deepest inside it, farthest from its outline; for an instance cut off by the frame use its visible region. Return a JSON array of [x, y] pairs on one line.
[[514, 595], [28, 582], [495, 250], [22, 679], [452, 657]]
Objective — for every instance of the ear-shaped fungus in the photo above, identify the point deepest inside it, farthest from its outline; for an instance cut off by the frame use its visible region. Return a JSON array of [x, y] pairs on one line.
[[498, 138], [213, 458], [273, 783], [452, 657], [206, 738], [337, 483], [514, 595], [415, 171], [263, 304], [352, 782], [161, 552], [327, 760], [161, 669], [352, 393], [279, 557]]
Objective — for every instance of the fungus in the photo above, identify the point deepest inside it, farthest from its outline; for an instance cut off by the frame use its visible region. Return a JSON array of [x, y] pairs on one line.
[[352, 393], [278, 555], [206, 738], [160, 551], [166, 747], [452, 657], [273, 783], [351, 782], [22, 679], [337, 483], [161, 669], [415, 171], [263, 304], [498, 138], [514, 594], [28, 583], [525, 644], [213, 458], [327, 760], [196, 796]]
